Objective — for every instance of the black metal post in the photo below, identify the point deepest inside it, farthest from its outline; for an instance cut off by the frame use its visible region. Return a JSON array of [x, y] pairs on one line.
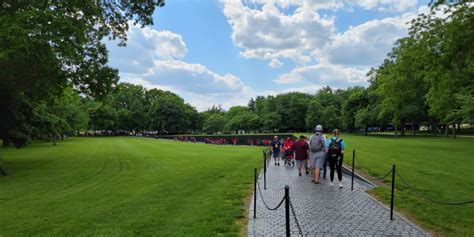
[[255, 194], [287, 210], [393, 190], [264, 172], [353, 162]]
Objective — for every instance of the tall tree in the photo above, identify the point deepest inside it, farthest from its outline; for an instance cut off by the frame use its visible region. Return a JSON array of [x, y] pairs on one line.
[[215, 123], [314, 114], [357, 100], [47, 45]]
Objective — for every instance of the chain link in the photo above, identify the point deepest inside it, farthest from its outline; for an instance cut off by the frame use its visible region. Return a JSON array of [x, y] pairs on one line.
[[296, 219], [385, 176], [265, 204], [418, 193]]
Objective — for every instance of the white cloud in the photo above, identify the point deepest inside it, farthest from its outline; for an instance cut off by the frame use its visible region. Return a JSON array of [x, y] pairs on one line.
[[194, 78], [275, 63], [154, 59], [365, 44], [385, 5], [319, 4], [333, 75], [266, 32], [144, 46], [293, 29]]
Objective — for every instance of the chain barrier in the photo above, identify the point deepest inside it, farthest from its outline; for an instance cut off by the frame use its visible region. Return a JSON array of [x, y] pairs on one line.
[[296, 219], [385, 176], [300, 231], [419, 194], [265, 204]]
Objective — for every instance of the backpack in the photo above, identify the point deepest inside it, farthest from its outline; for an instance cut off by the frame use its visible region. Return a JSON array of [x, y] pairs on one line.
[[315, 144], [335, 148]]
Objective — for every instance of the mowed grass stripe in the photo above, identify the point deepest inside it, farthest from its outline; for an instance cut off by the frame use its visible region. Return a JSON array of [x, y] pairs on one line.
[[125, 186]]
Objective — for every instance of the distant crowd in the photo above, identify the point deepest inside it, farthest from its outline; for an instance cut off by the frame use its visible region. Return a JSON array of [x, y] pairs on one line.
[[226, 141], [314, 155]]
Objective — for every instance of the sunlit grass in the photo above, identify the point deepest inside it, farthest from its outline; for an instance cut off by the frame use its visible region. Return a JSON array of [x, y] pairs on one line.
[[441, 168], [125, 186]]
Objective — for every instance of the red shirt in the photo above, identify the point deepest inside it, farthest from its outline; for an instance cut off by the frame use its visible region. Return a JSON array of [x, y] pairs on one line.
[[301, 148], [288, 145]]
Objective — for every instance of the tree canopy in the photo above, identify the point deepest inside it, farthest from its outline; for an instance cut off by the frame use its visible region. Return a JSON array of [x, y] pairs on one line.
[[46, 46]]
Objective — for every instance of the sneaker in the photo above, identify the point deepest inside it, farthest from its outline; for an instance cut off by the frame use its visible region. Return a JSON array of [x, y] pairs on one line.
[[331, 184], [340, 185]]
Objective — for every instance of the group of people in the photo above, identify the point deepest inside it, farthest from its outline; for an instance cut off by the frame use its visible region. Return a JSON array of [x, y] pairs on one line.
[[313, 155]]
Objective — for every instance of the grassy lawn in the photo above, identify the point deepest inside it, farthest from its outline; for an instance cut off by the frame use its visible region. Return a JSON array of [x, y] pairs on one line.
[[125, 186], [441, 168]]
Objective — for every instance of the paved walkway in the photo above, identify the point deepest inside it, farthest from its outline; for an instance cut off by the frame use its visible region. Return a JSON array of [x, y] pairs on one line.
[[323, 210]]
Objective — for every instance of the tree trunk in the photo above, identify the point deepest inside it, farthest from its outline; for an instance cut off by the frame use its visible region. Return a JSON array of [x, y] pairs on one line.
[[396, 130], [454, 130], [5, 142], [366, 130], [446, 130], [54, 140], [3, 170], [413, 127], [459, 128], [402, 132]]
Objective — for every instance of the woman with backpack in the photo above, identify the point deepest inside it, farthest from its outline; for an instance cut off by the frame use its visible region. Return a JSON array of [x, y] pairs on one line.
[[317, 150], [335, 152]]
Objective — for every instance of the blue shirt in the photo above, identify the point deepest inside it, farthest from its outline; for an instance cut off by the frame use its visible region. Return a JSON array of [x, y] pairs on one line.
[[328, 142], [276, 146]]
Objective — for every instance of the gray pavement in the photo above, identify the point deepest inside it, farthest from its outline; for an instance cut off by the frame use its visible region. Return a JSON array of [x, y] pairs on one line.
[[323, 210]]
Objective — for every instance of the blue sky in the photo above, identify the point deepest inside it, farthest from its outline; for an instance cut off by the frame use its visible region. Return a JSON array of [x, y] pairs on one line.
[[225, 52]]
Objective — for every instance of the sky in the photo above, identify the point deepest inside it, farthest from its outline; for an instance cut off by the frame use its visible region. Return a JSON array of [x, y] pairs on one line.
[[224, 52]]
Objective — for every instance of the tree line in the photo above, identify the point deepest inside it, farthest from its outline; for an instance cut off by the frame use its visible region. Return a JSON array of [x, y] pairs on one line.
[[60, 82]]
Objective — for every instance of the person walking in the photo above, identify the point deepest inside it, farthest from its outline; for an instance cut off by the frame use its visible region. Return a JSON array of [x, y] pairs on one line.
[[335, 152], [276, 146], [301, 149], [325, 161], [289, 151], [317, 150]]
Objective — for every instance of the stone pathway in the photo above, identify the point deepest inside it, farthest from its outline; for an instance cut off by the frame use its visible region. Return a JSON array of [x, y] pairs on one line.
[[323, 210]]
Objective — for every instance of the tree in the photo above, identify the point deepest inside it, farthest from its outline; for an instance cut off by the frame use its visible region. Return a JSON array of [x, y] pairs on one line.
[[129, 101], [357, 100], [292, 108], [47, 45], [251, 105], [271, 121], [330, 118], [194, 118], [103, 117], [314, 115], [215, 123], [168, 114], [402, 86], [450, 49], [362, 119]]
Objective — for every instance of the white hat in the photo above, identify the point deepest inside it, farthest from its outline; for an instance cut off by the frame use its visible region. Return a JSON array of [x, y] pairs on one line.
[[319, 128]]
